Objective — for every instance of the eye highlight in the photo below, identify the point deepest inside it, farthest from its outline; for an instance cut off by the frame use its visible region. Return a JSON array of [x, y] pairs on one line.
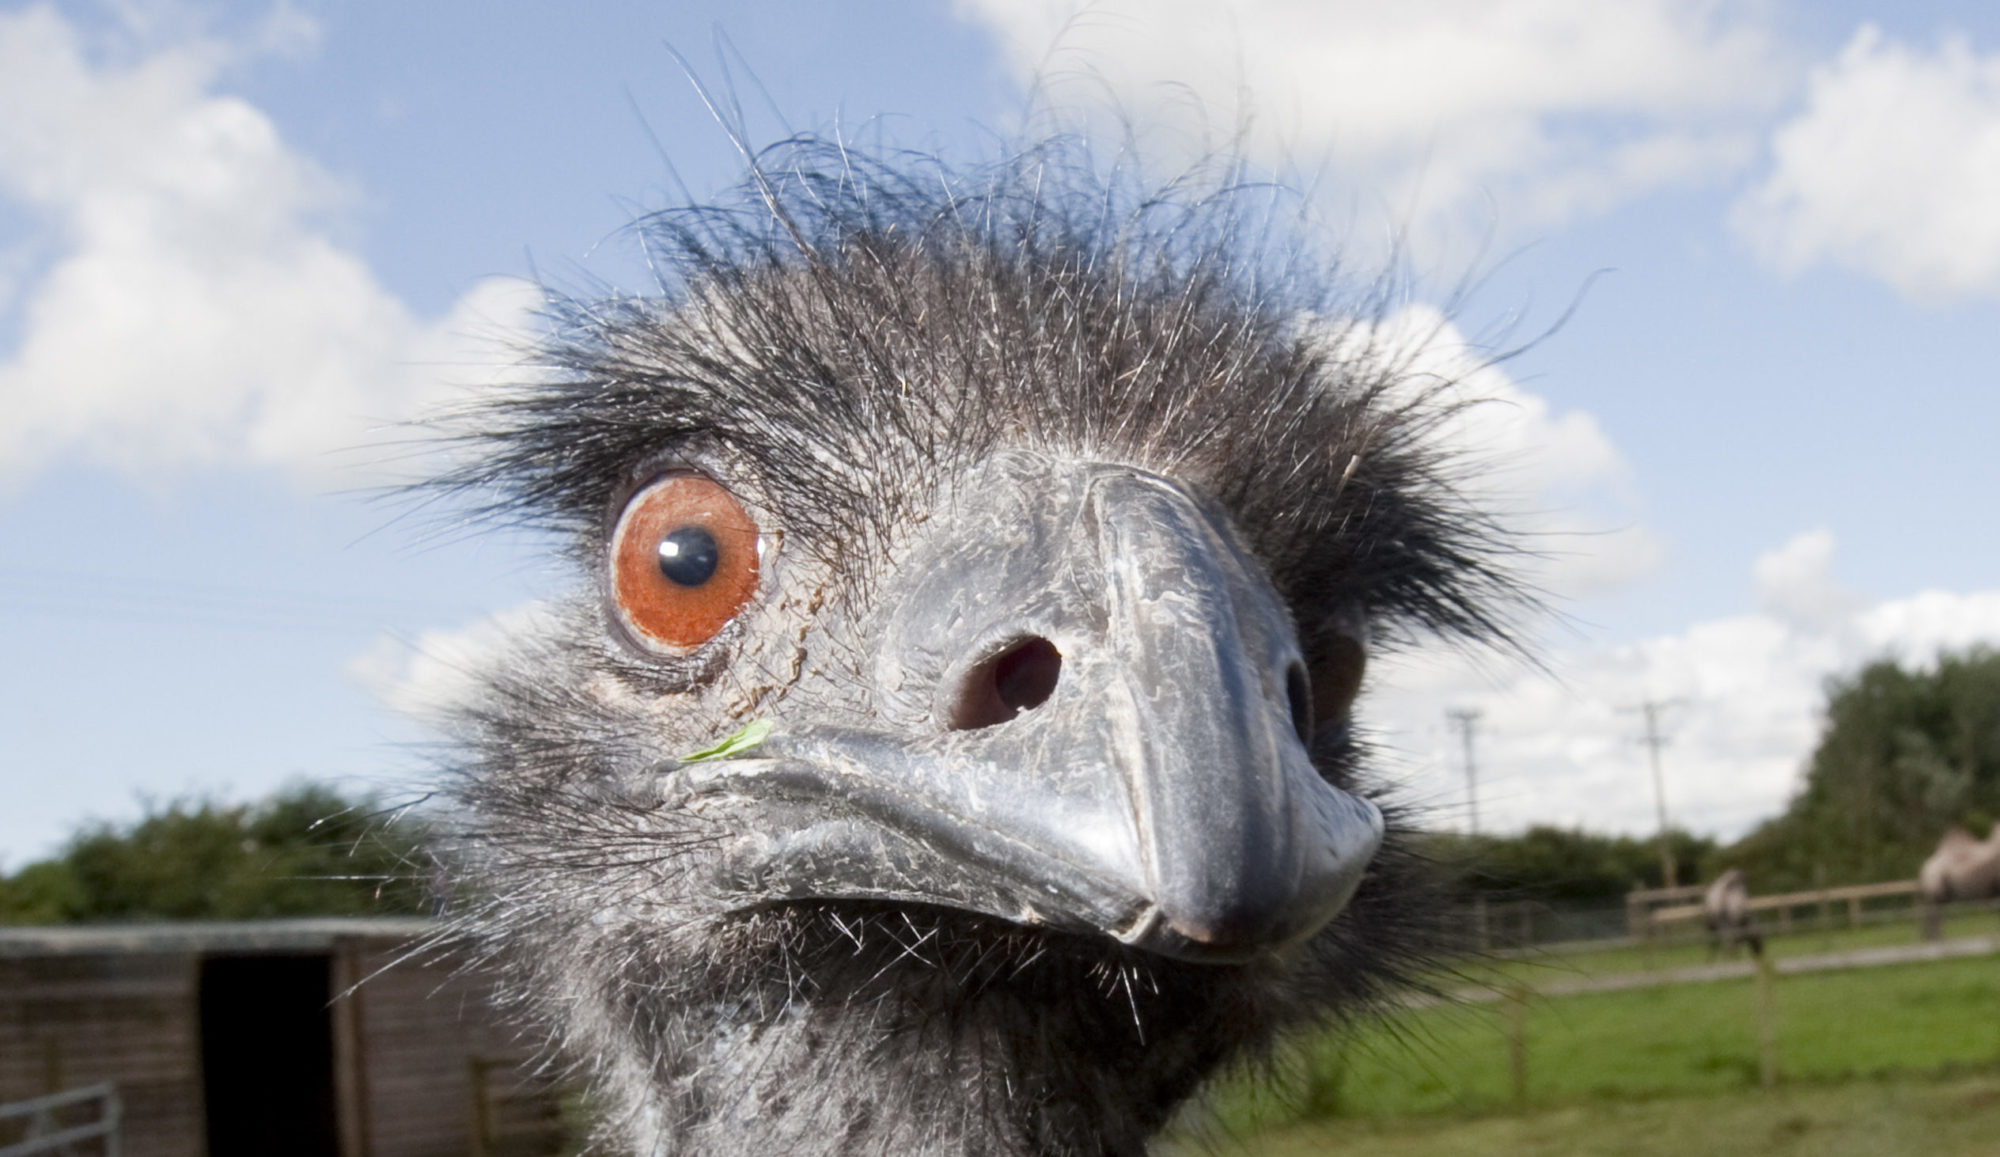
[[683, 561]]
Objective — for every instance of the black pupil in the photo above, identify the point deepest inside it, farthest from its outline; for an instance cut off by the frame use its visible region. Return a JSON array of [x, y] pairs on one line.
[[689, 556]]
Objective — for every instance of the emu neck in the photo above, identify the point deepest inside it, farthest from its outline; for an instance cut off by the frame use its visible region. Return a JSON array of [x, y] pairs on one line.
[[878, 1079], [1049, 1058]]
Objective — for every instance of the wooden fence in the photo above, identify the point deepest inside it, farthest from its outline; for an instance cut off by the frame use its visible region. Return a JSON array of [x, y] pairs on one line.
[[1520, 997], [1653, 917], [1506, 926], [46, 1130], [1652, 913]]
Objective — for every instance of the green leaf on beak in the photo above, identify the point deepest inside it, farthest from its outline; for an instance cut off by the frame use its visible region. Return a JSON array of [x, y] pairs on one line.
[[748, 736]]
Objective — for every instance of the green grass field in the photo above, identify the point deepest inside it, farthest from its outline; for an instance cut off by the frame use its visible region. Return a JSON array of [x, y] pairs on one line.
[[1889, 1037], [1952, 1116]]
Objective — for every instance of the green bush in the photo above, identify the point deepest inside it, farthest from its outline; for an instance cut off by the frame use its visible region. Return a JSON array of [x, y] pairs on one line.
[[306, 851], [1566, 866]]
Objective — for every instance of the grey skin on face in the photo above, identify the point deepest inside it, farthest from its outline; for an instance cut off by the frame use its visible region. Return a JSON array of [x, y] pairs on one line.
[[1160, 793]]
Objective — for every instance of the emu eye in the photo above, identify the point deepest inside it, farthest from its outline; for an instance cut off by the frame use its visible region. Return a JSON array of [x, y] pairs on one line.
[[683, 561]]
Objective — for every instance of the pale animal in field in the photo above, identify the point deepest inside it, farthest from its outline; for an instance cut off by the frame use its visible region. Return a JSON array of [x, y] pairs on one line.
[[1725, 912], [1962, 868]]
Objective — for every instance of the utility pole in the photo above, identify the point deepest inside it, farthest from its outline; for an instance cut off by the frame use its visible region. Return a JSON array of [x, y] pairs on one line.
[[1466, 719], [1654, 741]]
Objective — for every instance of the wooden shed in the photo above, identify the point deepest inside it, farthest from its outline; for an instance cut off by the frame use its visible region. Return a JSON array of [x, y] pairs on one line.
[[236, 1039]]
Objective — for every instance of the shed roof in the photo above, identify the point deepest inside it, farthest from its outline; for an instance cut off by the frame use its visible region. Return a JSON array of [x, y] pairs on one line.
[[300, 935]]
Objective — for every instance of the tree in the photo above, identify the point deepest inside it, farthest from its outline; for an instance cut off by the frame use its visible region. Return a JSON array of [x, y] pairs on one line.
[[1562, 865], [1905, 755], [306, 851]]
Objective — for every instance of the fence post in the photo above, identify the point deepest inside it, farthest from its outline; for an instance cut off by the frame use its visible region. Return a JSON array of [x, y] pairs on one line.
[[1639, 921], [482, 1108], [1517, 1042], [1825, 904], [114, 1122], [1767, 1021]]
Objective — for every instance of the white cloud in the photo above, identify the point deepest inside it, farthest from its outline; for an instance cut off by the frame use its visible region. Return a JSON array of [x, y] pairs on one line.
[[1745, 696], [443, 670], [1435, 112], [1795, 585], [1554, 477], [1893, 168], [194, 310]]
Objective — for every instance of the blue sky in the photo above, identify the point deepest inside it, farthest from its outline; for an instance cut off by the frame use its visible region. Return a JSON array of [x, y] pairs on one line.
[[239, 243]]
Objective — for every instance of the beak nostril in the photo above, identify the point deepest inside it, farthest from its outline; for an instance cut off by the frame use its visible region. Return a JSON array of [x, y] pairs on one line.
[[1025, 675], [1019, 678], [1298, 692]]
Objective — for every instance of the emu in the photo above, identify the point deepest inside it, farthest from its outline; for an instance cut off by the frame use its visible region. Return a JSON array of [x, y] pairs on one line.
[[949, 746], [1962, 868], [1725, 912]]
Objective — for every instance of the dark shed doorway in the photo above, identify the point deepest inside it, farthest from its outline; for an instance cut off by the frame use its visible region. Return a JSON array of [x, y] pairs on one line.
[[267, 1056]]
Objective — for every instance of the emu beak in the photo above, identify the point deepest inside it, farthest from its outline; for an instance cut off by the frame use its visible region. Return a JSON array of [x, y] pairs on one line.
[[1089, 699]]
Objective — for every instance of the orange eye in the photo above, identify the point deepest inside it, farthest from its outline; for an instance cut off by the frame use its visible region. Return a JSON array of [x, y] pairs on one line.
[[683, 561]]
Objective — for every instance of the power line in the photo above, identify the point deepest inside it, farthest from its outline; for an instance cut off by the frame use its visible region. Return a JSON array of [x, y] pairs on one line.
[[165, 601]]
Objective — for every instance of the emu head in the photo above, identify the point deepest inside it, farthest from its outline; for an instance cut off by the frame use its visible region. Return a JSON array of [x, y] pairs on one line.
[[949, 747]]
